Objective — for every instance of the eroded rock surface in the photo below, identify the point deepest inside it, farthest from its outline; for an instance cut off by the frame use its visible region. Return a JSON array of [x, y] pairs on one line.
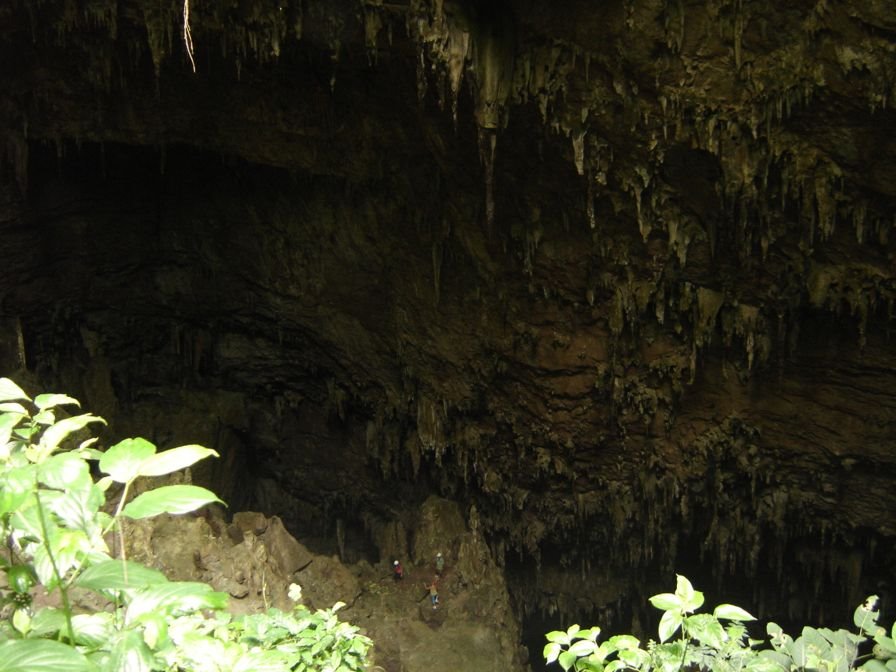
[[254, 559], [615, 277]]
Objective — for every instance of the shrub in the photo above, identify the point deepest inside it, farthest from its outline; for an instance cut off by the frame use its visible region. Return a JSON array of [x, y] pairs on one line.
[[719, 642], [54, 524]]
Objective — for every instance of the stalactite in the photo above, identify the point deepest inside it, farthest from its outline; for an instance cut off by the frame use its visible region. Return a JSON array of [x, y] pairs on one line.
[[487, 141], [437, 269]]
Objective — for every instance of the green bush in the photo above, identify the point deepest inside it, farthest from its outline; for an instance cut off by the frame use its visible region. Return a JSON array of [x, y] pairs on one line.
[[54, 524], [706, 643]]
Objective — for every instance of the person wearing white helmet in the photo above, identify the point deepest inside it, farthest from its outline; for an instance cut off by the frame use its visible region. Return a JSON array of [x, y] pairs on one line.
[[440, 563], [397, 570]]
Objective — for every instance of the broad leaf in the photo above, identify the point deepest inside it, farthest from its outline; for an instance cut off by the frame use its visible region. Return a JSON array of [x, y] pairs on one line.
[[47, 621], [174, 499], [666, 601], [865, 616], [874, 665], [169, 461], [8, 422], [93, 630], [116, 575], [15, 486], [551, 651], [65, 470], [175, 596], [623, 642], [131, 653], [268, 661], [123, 460], [706, 629], [566, 660], [732, 613], [9, 391], [583, 647], [669, 623], [40, 655]]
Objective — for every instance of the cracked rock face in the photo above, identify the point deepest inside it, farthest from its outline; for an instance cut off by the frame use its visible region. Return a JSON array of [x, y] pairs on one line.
[[615, 277]]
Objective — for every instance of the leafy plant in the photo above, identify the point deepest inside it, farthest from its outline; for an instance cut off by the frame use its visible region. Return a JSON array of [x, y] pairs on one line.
[[707, 642], [54, 522]]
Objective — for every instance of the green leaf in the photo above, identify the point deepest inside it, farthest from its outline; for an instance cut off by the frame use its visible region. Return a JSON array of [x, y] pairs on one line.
[[9, 391], [8, 422], [93, 630], [583, 647], [55, 434], [116, 575], [169, 461], [669, 623], [566, 660], [47, 621], [175, 596], [887, 645], [865, 616], [44, 401], [15, 486], [706, 629], [40, 655], [558, 636], [13, 407], [269, 661], [633, 657], [666, 601], [123, 460], [874, 665], [763, 663], [614, 665], [732, 613], [624, 642], [551, 651], [174, 499], [65, 470], [131, 653]]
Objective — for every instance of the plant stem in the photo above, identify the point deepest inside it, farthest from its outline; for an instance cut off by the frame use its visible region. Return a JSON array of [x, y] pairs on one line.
[[63, 591]]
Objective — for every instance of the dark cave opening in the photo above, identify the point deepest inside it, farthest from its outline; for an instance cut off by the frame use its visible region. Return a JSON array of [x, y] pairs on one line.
[[112, 207]]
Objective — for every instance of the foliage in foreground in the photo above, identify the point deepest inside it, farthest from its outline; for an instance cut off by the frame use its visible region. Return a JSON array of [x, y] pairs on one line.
[[706, 643], [54, 526]]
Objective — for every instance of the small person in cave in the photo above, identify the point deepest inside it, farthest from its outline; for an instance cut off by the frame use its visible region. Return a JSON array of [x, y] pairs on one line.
[[440, 564], [433, 592], [397, 571]]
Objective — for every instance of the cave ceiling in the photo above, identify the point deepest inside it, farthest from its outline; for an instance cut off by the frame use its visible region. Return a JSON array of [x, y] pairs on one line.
[[618, 276]]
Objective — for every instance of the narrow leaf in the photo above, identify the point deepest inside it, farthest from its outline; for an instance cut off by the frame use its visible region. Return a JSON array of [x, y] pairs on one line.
[[43, 401], [55, 434], [174, 499], [169, 461]]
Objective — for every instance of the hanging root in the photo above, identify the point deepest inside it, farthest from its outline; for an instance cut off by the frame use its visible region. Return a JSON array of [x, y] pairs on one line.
[[188, 36]]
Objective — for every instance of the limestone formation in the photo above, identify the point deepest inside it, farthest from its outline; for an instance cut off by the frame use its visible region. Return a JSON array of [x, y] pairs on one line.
[[616, 278]]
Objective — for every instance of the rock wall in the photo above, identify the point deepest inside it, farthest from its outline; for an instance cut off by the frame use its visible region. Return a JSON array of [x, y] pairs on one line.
[[617, 279]]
